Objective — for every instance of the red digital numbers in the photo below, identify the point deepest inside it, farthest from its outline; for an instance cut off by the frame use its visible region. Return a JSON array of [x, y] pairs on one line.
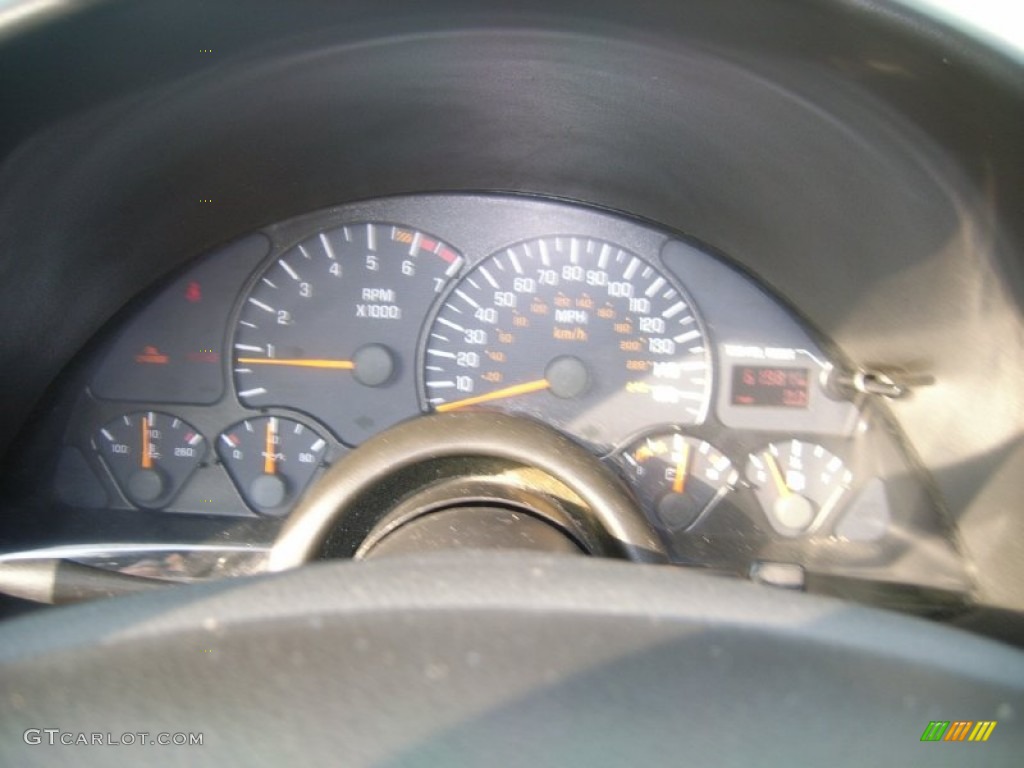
[[770, 386], [771, 377]]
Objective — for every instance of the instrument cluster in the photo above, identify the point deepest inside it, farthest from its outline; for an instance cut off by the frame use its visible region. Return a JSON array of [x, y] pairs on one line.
[[228, 391]]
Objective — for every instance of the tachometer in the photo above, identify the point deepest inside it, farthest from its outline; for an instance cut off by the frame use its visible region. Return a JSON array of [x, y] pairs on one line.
[[573, 330], [330, 327]]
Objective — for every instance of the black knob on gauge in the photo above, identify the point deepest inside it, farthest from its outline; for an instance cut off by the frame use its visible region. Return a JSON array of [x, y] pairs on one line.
[[374, 365], [146, 486], [268, 491]]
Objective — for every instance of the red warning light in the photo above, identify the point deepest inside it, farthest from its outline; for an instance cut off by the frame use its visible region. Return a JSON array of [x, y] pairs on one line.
[[194, 292]]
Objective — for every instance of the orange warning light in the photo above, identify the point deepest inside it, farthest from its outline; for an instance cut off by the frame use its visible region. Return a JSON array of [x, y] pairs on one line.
[[152, 356]]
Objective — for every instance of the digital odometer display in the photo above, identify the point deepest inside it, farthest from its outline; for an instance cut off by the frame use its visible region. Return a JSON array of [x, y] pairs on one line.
[[770, 386]]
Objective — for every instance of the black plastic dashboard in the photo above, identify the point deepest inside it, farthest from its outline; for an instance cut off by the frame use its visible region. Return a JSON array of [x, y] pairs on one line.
[[832, 191]]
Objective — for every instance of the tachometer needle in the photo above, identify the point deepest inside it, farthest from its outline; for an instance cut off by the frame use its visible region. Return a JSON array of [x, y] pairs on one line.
[[498, 394], [338, 365], [147, 459], [270, 454], [776, 473], [682, 468]]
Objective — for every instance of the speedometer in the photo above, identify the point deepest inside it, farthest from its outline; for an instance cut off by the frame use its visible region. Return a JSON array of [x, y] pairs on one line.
[[576, 331]]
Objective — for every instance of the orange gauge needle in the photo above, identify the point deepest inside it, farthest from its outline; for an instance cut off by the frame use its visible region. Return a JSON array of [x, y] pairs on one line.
[[147, 459], [780, 483], [682, 467], [498, 394], [270, 454], [338, 365]]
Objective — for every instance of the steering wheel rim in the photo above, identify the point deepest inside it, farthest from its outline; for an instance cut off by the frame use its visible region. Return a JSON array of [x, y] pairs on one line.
[[484, 434]]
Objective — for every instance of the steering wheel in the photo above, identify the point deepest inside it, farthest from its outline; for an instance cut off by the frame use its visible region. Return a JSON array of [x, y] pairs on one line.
[[490, 656]]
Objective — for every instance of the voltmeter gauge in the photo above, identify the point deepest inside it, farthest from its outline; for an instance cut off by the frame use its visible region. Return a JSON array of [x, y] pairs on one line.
[[799, 484], [271, 460], [150, 455], [679, 477]]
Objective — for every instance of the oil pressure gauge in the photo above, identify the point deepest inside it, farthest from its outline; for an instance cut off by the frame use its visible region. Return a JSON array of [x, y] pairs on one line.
[[679, 477], [271, 460], [799, 484]]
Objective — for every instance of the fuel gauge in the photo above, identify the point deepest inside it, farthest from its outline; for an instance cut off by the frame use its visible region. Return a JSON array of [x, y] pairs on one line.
[[798, 484], [150, 455], [271, 460], [679, 476]]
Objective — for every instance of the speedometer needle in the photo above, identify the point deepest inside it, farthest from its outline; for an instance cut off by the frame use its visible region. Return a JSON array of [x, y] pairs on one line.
[[498, 394], [338, 365]]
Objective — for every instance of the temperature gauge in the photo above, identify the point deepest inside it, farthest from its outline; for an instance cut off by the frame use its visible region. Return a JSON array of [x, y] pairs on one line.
[[150, 455], [271, 460], [798, 484], [679, 477]]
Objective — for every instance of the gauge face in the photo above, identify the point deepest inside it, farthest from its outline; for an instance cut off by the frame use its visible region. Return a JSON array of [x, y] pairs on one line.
[[579, 332], [331, 326], [679, 477], [271, 460], [799, 484], [150, 455]]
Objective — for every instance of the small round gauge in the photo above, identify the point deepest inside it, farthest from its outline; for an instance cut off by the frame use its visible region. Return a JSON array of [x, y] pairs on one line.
[[150, 455], [799, 484], [331, 326], [576, 331], [271, 460], [678, 476]]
